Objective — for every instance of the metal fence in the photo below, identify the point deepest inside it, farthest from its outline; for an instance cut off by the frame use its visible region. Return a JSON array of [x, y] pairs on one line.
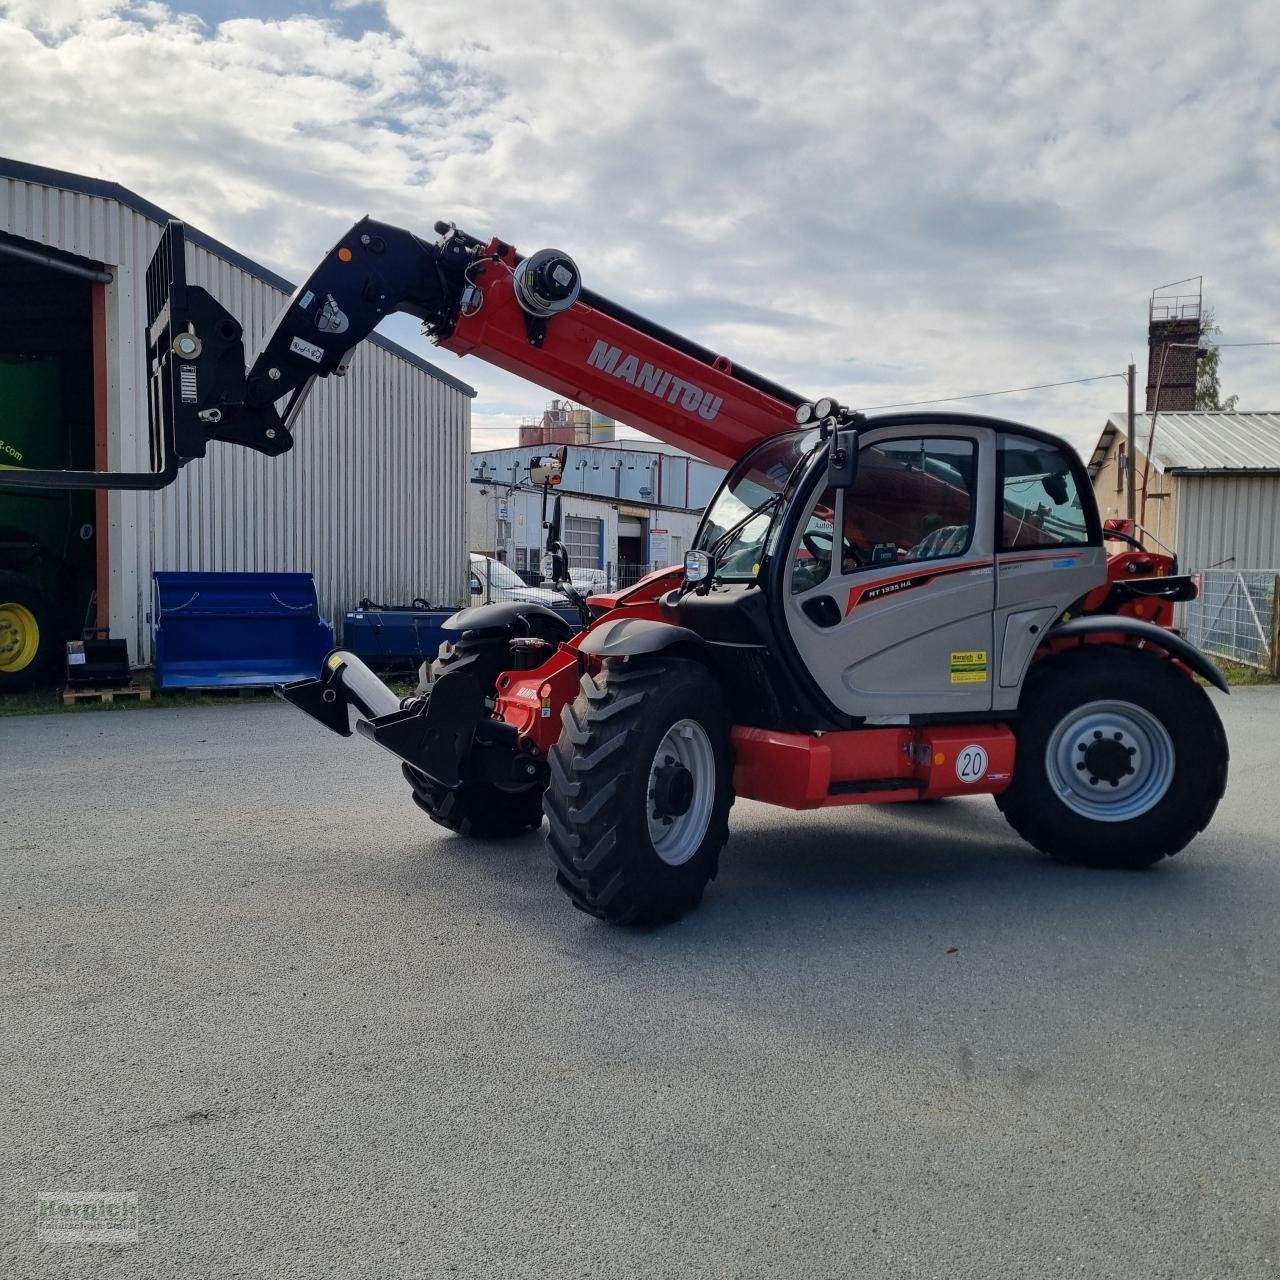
[[1234, 617], [627, 575]]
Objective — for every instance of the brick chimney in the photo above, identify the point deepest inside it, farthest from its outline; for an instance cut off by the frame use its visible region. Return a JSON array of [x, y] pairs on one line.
[[1173, 342]]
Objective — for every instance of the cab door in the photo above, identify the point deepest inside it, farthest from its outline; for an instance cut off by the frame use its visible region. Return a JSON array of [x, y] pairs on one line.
[[1049, 549], [891, 582]]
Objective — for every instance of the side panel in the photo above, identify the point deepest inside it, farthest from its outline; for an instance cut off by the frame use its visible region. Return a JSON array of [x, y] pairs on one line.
[[912, 636], [1032, 589]]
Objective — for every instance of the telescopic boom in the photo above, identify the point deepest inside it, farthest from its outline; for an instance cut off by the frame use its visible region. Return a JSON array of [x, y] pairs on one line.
[[530, 316]]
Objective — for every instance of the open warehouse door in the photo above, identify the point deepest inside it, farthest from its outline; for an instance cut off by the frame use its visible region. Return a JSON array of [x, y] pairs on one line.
[[51, 397]]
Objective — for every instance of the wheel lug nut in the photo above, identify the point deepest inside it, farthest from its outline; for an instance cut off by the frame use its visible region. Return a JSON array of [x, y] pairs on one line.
[[1079, 764], [1093, 782]]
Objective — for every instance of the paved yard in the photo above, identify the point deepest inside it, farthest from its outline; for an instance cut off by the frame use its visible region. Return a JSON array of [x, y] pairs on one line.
[[321, 1037]]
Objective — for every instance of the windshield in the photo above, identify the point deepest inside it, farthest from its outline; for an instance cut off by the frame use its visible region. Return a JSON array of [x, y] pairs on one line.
[[501, 575], [744, 509]]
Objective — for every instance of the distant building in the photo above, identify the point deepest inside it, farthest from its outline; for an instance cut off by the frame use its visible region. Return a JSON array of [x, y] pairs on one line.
[[1212, 488], [628, 505]]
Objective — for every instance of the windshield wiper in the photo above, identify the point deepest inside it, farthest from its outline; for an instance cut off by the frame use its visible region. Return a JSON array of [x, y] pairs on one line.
[[719, 543]]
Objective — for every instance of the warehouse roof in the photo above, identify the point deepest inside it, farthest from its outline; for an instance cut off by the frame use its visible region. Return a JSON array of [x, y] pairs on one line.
[[20, 171], [1200, 442]]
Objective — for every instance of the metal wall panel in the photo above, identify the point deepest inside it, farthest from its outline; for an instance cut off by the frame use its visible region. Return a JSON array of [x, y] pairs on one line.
[[1229, 522], [372, 499]]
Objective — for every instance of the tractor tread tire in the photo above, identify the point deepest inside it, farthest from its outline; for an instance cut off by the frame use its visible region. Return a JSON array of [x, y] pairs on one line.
[[477, 808], [17, 588], [1058, 684], [597, 835]]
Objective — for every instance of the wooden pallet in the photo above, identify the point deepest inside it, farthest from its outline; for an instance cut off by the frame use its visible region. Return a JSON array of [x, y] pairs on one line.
[[138, 691], [223, 693]]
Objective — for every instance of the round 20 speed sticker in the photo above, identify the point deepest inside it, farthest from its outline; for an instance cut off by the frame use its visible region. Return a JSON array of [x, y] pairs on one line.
[[971, 763]]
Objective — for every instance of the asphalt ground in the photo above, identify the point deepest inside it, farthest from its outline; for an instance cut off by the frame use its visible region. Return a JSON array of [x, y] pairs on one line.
[[319, 1036]]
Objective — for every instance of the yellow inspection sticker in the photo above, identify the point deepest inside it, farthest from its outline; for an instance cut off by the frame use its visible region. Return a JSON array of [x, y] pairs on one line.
[[969, 667]]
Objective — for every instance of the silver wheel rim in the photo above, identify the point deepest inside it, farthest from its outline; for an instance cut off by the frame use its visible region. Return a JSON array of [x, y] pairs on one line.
[[677, 837], [1110, 761]]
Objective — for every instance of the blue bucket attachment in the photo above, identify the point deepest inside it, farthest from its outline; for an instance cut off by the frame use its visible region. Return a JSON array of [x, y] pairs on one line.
[[220, 630], [394, 637]]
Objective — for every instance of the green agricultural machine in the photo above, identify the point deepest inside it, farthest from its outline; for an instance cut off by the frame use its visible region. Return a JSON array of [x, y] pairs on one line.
[[46, 535]]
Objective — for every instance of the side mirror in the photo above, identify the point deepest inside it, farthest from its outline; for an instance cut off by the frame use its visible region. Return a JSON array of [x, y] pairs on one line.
[[842, 458], [699, 567]]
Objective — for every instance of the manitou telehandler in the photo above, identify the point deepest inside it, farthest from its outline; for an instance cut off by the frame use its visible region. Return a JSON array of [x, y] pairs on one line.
[[902, 607]]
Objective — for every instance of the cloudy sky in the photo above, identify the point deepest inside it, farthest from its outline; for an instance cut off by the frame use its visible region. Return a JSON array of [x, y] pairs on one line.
[[886, 202]]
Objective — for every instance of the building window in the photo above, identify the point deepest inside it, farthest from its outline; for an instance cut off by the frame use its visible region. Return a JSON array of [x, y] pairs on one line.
[[1121, 464]]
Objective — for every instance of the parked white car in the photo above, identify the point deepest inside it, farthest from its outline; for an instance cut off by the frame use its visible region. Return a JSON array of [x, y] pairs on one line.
[[590, 582], [493, 581]]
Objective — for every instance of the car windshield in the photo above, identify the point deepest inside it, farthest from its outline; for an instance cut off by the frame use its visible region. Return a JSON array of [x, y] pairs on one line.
[[503, 576], [743, 510]]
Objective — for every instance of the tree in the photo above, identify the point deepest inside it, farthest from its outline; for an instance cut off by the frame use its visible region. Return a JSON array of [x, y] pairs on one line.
[[1208, 389]]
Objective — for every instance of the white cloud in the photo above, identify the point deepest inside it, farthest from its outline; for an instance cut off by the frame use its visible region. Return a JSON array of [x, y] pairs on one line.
[[891, 203]]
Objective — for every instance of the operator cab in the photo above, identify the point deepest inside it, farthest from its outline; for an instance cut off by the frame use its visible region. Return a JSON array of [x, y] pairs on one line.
[[919, 590]]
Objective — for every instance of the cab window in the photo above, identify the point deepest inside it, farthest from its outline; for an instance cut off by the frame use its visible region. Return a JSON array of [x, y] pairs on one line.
[[912, 500], [1040, 501], [812, 563]]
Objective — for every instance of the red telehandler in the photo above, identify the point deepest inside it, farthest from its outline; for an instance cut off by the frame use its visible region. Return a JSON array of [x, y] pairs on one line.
[[900, 607]]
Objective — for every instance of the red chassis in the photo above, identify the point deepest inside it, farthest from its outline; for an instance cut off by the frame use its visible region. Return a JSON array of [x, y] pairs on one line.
[[823, 769]]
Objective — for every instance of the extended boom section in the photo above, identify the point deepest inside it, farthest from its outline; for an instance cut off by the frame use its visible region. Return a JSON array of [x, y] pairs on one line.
[[530, 316]]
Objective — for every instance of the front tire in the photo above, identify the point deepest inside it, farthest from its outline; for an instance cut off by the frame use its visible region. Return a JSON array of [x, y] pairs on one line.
[[1121, 759], [641, 787]]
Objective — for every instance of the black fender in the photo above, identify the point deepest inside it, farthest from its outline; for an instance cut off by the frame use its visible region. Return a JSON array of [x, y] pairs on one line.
[[1135, 628], [634, 637], [511, 617]]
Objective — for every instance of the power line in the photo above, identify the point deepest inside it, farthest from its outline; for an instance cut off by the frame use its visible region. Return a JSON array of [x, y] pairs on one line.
[[974, 395], [1007, 391]]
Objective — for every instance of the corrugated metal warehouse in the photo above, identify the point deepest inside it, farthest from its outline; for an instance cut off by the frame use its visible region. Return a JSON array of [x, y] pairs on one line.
[[372, 499], [1213, 487]]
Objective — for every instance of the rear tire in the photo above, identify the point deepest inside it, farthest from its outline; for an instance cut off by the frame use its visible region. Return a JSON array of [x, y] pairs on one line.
[[477, 808], [1121, 759], [641, 787], [29, 640]]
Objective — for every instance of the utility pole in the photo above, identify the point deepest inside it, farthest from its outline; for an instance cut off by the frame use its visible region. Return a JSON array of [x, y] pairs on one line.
[[1130, 469]]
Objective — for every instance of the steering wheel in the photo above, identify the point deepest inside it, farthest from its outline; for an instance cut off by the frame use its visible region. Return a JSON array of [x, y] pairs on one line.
[[812, 539]]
